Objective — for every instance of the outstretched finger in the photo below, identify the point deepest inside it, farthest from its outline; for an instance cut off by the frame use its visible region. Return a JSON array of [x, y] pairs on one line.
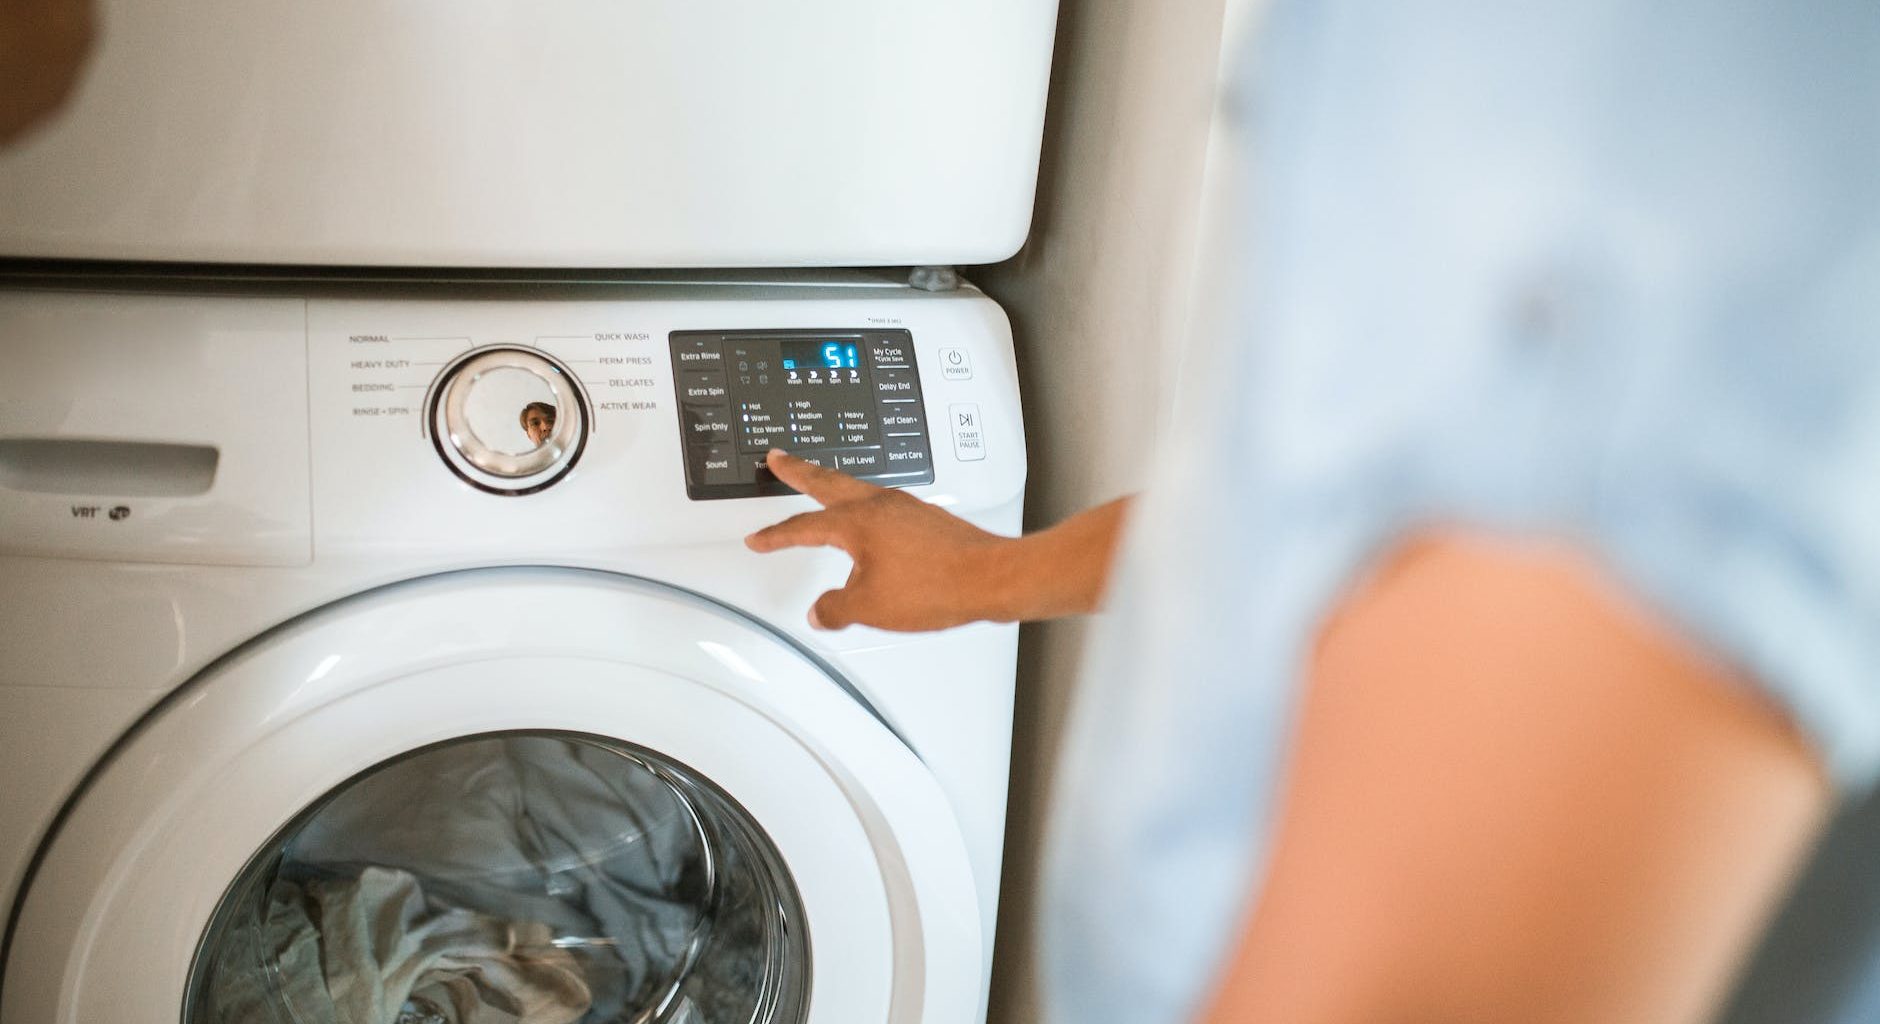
[[806, 530], [827, 486]]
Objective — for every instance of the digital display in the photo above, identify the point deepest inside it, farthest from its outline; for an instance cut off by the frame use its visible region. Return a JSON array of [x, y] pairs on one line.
[[803, 355]]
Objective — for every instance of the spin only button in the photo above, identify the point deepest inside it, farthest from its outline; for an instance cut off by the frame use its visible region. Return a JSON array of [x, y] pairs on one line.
[[706, 423]]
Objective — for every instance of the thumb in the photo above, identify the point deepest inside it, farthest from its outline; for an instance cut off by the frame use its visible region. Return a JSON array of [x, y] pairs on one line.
[[836, 609]]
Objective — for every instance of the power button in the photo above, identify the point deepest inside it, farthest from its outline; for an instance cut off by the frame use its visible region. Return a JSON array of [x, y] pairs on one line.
[[954, 364]]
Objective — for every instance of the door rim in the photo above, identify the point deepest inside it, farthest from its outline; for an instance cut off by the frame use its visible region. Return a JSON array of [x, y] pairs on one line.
[[912, 830]]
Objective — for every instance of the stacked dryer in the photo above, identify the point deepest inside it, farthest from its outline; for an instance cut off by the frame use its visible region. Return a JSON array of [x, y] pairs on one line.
[[379, 644]]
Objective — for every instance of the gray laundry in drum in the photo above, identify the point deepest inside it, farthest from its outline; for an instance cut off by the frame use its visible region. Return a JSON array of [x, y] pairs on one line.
[[534, 829], [375, 949], [508, 879]]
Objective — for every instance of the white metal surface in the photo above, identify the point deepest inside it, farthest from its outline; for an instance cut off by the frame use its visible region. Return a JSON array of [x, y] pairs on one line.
[[502, 133], [90, 645], [123, 368]]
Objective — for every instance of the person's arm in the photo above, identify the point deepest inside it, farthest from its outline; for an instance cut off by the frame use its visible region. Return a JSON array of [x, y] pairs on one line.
[[919, 567], [42, 47], [1514, 796]]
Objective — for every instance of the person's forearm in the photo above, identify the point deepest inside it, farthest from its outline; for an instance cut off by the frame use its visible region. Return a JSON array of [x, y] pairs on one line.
[[1064, 570], [42, 48], [918, 567]]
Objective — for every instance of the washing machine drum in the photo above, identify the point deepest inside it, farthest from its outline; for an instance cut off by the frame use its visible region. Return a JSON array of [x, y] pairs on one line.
[[525, 877], [522, 796]]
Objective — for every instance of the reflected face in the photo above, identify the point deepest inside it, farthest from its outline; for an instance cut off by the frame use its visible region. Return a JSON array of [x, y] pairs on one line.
[[538, 421]]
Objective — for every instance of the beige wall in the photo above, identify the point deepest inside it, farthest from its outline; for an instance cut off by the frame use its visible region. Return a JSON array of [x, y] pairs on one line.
[[1097, 296]]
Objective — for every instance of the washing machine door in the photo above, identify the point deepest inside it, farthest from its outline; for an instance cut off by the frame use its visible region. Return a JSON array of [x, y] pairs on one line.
[[522, 795]]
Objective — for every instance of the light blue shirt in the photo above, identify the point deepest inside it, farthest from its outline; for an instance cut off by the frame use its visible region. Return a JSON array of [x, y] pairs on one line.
[[1602, 269]]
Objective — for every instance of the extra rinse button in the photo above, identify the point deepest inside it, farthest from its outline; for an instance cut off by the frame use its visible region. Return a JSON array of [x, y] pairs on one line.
[[969, 439]]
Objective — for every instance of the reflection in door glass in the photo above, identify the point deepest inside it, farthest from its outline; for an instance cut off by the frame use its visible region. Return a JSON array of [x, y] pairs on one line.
[[511, 410], [511, 879], [538, 422]]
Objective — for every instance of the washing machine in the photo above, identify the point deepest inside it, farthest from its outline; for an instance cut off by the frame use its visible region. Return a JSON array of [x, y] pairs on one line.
[[388, 651]]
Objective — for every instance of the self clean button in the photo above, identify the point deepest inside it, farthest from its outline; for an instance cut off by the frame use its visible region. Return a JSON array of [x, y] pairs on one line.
[[955, 364]]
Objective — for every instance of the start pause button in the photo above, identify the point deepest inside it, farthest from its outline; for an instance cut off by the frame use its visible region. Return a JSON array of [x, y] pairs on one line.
[[969, 440]]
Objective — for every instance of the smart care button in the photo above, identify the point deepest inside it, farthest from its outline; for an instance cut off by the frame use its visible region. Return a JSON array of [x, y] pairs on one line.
[[906, 456]]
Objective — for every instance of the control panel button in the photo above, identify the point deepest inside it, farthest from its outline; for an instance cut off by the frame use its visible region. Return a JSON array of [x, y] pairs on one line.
[[907, 456], [955, 364], [752, 468], [890, 351], [698, 354], [859, 460], [509, 420], [719, 464], [895, 384], [903, 417], [702, 388], [706, 424], [969, 439]]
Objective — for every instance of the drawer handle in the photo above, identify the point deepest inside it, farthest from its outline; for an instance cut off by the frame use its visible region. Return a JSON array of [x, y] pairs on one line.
[[131, 469]]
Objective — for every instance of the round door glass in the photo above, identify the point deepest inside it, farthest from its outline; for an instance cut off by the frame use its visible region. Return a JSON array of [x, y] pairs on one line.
[[511, 879], [511, 410]]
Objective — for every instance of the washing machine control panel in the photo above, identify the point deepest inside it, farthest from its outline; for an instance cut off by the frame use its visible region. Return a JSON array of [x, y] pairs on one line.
[[507, 418], [846, 399]]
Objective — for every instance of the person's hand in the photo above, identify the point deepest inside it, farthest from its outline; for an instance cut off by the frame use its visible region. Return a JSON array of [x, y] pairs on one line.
[[917, 566], [43, 44]]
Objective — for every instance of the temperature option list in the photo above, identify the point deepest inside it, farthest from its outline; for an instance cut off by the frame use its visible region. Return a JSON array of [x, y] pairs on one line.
[[846, 399]]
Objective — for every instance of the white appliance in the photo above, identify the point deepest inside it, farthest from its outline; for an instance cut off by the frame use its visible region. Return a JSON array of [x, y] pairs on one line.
[[329, 658], [582, 133]]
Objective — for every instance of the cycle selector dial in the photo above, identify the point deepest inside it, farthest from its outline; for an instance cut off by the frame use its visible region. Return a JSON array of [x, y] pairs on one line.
[[509, 420]]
